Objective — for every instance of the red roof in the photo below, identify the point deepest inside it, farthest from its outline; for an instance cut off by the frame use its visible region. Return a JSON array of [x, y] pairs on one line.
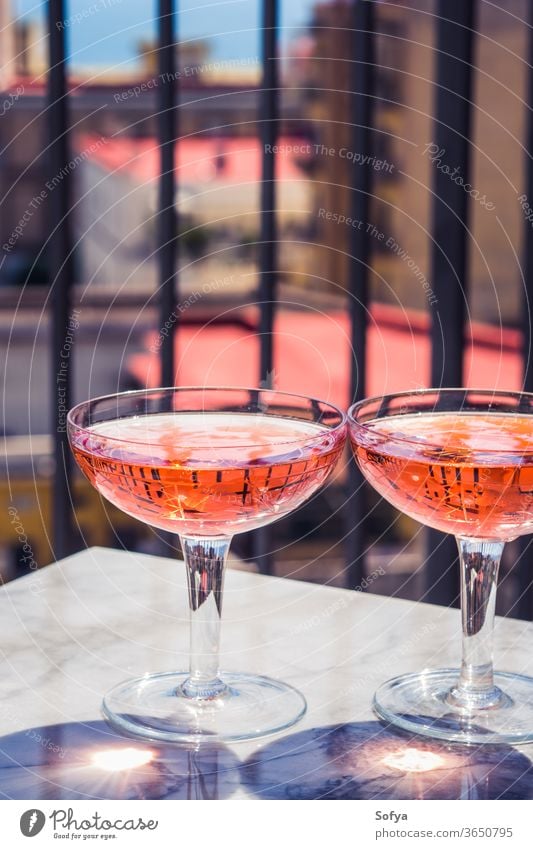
[[198, 159], [312, 355]]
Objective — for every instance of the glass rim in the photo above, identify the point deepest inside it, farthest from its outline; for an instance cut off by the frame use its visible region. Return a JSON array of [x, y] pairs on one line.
[[131, 393], [447, 390]]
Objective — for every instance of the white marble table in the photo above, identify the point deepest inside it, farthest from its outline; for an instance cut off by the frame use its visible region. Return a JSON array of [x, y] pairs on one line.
[[72, 630]]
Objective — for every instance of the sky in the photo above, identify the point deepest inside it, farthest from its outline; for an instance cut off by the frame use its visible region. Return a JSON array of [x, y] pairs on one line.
[[107, 32]]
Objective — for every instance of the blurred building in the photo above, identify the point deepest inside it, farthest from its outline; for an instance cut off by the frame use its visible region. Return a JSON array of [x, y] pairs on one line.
[[7, 46], [31, 45], [330, 103], [116, 225], [217, 103], [403, 121], [194, 61]]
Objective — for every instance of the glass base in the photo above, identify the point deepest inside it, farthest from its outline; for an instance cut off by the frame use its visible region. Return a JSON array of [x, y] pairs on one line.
[[421, 703], [155, 708]]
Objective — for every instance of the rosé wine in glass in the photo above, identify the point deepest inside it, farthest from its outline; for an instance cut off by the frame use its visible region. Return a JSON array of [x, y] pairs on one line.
[[205, 464], [460, 461], [194, 473], [464, 473]]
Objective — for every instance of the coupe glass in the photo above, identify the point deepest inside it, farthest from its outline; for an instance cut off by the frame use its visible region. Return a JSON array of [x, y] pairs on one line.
[[205, 463], [461, 461]]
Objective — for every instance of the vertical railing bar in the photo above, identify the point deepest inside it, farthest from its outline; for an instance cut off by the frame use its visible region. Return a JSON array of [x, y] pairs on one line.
[[528, 241], [269, 126], [60, 266], [524, 606], [268, 122], [167, 129], [363, 76], [167, 214], [449, 257]]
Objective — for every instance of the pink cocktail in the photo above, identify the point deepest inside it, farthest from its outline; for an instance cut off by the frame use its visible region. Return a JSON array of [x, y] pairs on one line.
[[205, 464], [193, 473], [460, 461]]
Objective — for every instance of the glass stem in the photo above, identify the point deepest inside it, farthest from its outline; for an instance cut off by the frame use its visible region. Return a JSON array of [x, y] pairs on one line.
[[479, 562], [205, 560]]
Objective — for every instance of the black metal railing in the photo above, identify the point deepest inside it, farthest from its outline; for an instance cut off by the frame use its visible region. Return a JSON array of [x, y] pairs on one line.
[[453, 109], [363, 82], [524, 594], [268, 266], [60, 251], [449, 265], [168, 133]]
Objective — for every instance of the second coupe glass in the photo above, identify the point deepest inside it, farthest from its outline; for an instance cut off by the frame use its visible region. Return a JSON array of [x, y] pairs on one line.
[[460, 461]]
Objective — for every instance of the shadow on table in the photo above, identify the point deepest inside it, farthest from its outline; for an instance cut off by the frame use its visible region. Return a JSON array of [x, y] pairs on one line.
[[355, 761], [89, 761], [367, 761]]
